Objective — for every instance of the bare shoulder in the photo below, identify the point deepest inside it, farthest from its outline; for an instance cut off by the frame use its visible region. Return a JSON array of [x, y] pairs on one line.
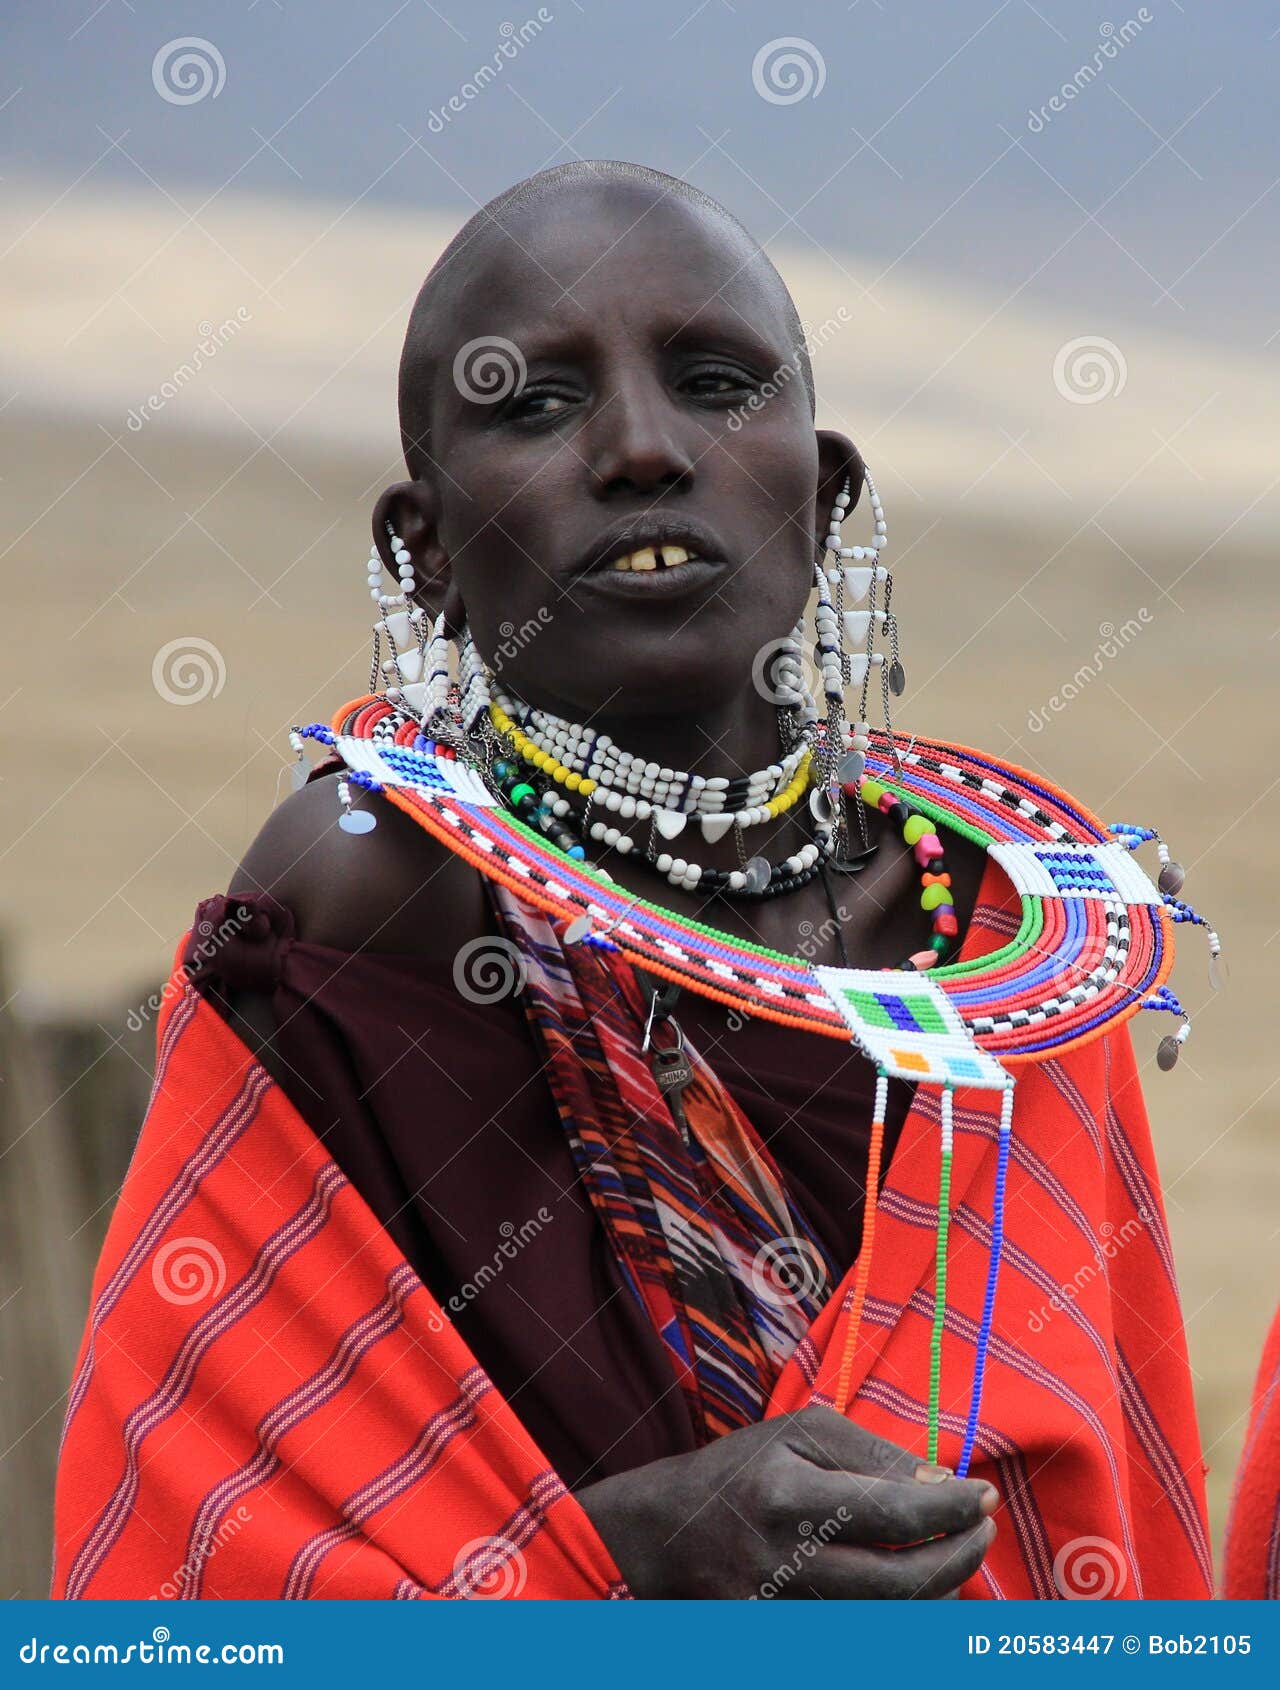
[[396, 889]]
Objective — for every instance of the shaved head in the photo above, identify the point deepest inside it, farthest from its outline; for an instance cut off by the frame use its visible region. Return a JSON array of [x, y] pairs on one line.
[[494, 232]]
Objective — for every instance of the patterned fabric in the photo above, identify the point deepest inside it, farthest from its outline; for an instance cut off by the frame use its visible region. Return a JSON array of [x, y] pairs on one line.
[[1251, 1566], [1088, 1425], [728, 1271], [267, 1401]]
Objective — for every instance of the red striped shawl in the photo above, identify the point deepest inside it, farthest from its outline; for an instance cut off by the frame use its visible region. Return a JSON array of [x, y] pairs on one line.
[[268, 1402], [1252, 1561]]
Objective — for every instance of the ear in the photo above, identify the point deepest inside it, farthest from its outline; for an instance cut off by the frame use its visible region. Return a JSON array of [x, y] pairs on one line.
[[839, 460], [411, 511]]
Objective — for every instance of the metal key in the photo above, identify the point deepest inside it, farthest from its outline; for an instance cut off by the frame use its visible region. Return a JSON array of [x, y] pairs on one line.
[[673, 1071]]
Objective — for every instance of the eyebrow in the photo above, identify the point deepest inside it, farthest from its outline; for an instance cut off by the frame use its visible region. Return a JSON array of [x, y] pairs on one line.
[[541, 340]]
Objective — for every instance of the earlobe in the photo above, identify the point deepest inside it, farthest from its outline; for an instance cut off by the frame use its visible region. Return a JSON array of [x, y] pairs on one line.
[[409, 510], [839, 460]]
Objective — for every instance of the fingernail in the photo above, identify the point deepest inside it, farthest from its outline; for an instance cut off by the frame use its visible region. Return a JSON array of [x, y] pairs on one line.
[[990, 1500], [928, 1473]]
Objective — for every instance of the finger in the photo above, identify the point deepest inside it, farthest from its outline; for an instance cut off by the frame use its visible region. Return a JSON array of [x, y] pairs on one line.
[[843, 1572], [829, 1440], [852, 1508]]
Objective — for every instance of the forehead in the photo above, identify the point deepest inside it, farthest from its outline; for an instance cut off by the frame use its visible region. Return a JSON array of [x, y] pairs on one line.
[[610, 257]]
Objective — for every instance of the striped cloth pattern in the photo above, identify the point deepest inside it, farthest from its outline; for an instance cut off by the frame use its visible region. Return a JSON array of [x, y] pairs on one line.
[[267, 1400], [303, 1420], [728, 1271], [1251, 1565]]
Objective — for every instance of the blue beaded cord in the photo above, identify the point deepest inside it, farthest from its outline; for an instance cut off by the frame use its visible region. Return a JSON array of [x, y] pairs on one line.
[[993, 1275]]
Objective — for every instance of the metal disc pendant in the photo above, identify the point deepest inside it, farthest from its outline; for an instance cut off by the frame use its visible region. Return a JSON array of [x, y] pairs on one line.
[[357, 821], [820, 806], [298, 773], [854, 864], [851, 767], [897, 679], [758, 874], [1172, 878], [577, 930], [1218, 975], [1167, 1052]]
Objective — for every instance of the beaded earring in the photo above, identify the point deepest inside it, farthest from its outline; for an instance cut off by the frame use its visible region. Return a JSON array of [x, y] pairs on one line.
[[856, 573], [851, 576]]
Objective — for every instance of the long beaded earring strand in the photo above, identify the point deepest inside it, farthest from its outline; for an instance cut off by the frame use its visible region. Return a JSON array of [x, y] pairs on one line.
[[846, 577]]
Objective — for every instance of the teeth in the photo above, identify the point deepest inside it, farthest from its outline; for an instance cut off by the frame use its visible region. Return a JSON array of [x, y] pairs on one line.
[[648, 558]]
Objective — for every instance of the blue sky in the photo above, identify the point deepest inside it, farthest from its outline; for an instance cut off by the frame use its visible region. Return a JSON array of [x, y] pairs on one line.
[[1151, 192]]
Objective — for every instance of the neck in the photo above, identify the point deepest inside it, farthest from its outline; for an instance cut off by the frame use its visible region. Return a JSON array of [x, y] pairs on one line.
[[735, 738]]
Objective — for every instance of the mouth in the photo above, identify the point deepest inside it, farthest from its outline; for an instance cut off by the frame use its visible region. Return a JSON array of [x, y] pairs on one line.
[[659, 558]]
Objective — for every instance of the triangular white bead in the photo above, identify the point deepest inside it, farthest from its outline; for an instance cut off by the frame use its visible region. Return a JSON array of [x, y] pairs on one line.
[[858, 669], [669, 823], [410, 664], [415, 697], [715, 827], [402, 630], [856, 583], [856, 623]]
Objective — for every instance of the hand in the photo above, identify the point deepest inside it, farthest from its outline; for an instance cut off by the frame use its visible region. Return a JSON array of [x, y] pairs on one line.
[[804, 1505]]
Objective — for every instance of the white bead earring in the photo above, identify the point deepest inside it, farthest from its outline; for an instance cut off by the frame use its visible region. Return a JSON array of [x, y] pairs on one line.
[[403, 625], [856, 574]]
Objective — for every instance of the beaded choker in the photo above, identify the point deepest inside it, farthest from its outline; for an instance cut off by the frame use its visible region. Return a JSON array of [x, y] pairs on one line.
[[604, 778]]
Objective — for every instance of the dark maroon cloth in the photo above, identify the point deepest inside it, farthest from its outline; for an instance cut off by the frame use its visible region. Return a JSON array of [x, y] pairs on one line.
[[437, 1110]]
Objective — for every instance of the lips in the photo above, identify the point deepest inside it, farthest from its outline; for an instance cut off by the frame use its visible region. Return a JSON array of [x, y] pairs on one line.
[[652, 547]]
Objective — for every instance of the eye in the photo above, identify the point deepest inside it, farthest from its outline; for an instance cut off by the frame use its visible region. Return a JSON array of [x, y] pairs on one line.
[[718, 381], [536, 404]]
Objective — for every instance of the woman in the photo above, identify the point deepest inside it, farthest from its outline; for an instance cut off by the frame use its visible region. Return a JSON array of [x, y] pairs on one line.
[[551, 1290]]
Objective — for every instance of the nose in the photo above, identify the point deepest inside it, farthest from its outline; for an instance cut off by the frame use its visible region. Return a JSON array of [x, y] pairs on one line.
[[637, 446]]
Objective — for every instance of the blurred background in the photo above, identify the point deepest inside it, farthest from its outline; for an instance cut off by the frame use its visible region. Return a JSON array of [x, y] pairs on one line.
[[1034, 246]]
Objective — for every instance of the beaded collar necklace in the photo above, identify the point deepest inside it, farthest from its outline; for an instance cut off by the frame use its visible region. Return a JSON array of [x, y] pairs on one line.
[[1095, 944]]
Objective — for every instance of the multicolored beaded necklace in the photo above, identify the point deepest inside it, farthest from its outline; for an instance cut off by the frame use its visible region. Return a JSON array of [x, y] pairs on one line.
[[1094, 945]]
